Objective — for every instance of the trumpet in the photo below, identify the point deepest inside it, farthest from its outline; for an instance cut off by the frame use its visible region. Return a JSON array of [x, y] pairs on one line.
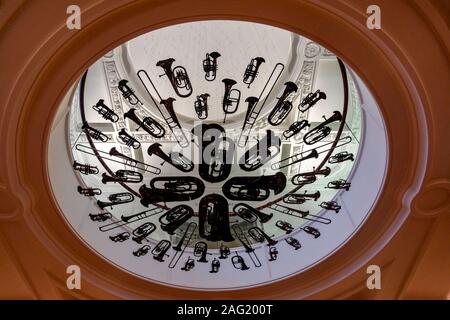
[[150, 125], [143, 231], [201, 106], [273, 253], [200, 251], [175, 217], [210, 65], [100, 217], [178, 77], [312, 231], [224, 251], [254, 108], [285, 226], [283, 106], [176, 159], [339, 184], [116, 199], [341, 157], [239, 262], [309, 177], [231, 98], [215, 265], [260, 236], [250, 214], [300, 198], [105, 111], [255, 188], [125, 220], [189, 264], [121, 237], [322, 130], [142, 251], [182, 244], [213, 217], [85, 169], [310, 100], [296, 158], [128, 93], [126, 176], [94, 133], [299, 214], [252, 70], [160, 250], [89, 192], [295, 128], [254, 159], [331, 205], [294, 243], [128, 140]]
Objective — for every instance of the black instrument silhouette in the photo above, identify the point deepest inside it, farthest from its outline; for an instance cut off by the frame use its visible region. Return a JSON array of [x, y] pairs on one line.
[[178, 77], [94, 133], [322, 130], [295, 198], [285, 226], [260, 236], [273, 253], [210, 65], [265, 150], [182, 244], [294, 243], [296, 158], [176, 159], [239, 262], [331, 205], [201, 106], [310, 100], [106, 112], [255, 188], [341, 157], [175, 217], [142, 251], [283, 106], [85, 169], [295, 128], [339, 184], [304, 178], [100, 217], [125, 220], [143, 231], [150, 125], [231, 98], [251, 71], [126, 176], [224, 251], [299, 214], [160, 250], [121, 237], [128, 93], [312, 231], [250, 214], [116, 199], [213, 218], [89, 192], [128, 140], [170, 189], [189, 264], [200, 251], [215, 266], [240, 235]]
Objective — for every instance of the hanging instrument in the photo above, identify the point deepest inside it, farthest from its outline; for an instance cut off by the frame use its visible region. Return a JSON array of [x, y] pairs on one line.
[[106, 113], [89, 192], [168, 114], [176, 159], [213, 218], [178, 77], [240, 235], [260, 236], [116, 199], [295, 198], [294, 243], [128, 140], [273, 253], [299, 214], [126, 176], [143, 231], [94, 133], [128, 93], [256, 188], [239, 262], [262, 152], [142, 251], [310, 100], [331, 205], [251, 71], [210, 65], [85, 169], [121, 237], [322, 130], [215, 266], [200, 251], [231, 98], [175, 217], [250, 214], [339, 184], [254, 107], [312, 231], [125, 220], [296, 158], [285, 226], [341, 157], [100, 217], [283, 106], [182, 244], [160, 250], [201, 106], [150, 125], [295, 128]]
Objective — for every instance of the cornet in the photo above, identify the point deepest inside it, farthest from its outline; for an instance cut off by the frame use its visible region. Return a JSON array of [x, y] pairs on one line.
[[295, 128], [128, 93], [160, 250], [210, 65], [341, 157], [150, 125], [260, 236], [178, 77], [283, 106], [89, 192], [116, 199], [201, 106], [143, 231], [322, 130], [85, 169], [126, 176], [250, 214], [175, 217], [252, 70], [94, 133], [128, 140], [331, 205], [105, 111], [176, 159], [231, 98], [213, 218], [310, 100]]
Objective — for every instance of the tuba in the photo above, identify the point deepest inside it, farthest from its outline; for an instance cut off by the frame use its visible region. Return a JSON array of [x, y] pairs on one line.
[[150, 125], [126, 176], [251, 71], [295, 128], [89, 192], [128, 140], [128, 93], [85, 169], [294, 243], [283, 106], [100, 217], [215, 265], [94, 133], [331, 205], [176, 159], [210, 65], [142, 251], [143, 231], [239, 262], [175, 217], [105, 111], [200, 251], [231, 98], [254, 159], [273, 253], [339, 184], [256, 188], [116, 199], [341, 157], [201, 106], [160, 250], [310, 100], [213, 217], [178, 77], [250, 214], [260, 236], [322, 130], [285, 226]]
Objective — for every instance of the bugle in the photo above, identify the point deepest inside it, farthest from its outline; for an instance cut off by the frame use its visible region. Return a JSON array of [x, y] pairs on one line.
[[120, 237], [100, 217], [251, 71], [339, 184], [341, 157], [331, 205], [178, 77], [106, 113], [283, 106], [210, 65]]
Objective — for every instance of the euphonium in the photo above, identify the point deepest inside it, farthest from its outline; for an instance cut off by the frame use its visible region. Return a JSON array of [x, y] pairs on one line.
[[105, 111], [260, 236], [85, 169], [176, 159], [116, 199], [295, 128], [89, 192], [311, 99], [94, 133], [178, 77], [143, 231], [175, 217], [201, 106], [213, 217], [200, 251], [127, 176], [231, 98], [210, 65], [160, 250], [252, 70], [255, 188], [128, 93], [283, 106], [322, 130], [128, 140], [150, 125], [250, 214]]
